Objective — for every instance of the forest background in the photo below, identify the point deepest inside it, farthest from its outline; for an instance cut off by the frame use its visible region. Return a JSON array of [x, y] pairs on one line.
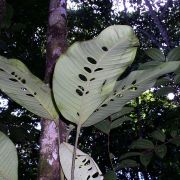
[[23, 34]]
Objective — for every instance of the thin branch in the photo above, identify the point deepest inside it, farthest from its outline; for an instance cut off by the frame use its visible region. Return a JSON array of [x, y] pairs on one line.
[[166, 6], [74, 152], [109, 148], [125, 11], [159, 25]]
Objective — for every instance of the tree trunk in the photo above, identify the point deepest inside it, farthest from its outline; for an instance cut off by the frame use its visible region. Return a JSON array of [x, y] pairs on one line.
[[49, 166]]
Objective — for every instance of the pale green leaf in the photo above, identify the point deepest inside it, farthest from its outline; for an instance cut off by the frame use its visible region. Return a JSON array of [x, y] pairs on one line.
[[110, 175], [124, 111], [148, 65], [85, 166], [174, 54], [109, 123], [128, 88], [146, 158], [26, 89], [8, 159], [155, 54], [129, 154], [161, 150], [104, 126], [118, 122], [142, 144], [83, 72], [159, 135]]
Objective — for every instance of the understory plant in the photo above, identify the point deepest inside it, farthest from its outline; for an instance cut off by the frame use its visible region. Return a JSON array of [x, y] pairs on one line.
[[89, 87]]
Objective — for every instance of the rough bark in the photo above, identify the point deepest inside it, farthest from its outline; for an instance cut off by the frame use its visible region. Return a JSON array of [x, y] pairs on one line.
[[49, 166]]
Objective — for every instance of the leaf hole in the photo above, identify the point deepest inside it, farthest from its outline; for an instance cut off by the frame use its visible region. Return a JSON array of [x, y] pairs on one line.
[[91, 60], [81, 88], [104, 48], [84, 160], [92, 79], [79, 92], [13, 73], [123, 87], [119, 95], [12, 79], [88, 177], [82, 77], [133, 88], [104, 83], [87, 92], [77, 113], [24, 89], [96, 110], [35, 93], [80, 166], [134, 82], [98, 69], [87, 162], [88, 69], [30, 95], [1, 69], [114, 92], [95, 175], [23, 81], [104, 105], [19, 78], [111, 99], [16, 76], [90, 169]]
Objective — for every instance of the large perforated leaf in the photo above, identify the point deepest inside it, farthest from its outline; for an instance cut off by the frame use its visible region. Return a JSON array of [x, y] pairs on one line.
[[81, 72], [127, 89], [25, 88], [85, 166], [8, 159]]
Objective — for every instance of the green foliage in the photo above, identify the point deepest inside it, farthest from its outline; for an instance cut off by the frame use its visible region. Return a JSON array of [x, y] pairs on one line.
[[114, 121], [8, 159], [142, 144], [159, 135], [161, 150], [145, 158], [155, 54], [174, 54], [129, 154]]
